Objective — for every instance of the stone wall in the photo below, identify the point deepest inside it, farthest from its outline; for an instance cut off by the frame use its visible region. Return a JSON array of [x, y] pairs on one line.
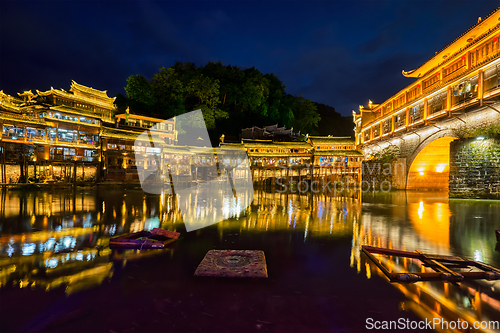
[[475, 168]]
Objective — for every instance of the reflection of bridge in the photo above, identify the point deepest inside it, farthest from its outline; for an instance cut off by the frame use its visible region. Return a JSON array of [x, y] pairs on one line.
[[455, 92], [426, 224]]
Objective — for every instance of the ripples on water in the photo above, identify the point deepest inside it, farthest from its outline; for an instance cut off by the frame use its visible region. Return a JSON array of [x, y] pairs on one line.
[[54, 239]]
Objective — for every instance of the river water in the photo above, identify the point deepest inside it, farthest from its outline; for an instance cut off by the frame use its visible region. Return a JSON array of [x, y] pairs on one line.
[[57, 240]]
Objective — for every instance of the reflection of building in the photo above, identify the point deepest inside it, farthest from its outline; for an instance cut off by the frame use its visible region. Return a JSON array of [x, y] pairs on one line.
[[70, 244]]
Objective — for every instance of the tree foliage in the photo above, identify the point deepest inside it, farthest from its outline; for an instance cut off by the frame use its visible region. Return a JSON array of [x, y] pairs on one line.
[[139, 93], [168, 93], [333, 122], [229, 97], [490, 130], [386, 155]]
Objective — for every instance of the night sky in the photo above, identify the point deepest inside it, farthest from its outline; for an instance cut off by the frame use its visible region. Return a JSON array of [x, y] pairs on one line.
[[340, 53]]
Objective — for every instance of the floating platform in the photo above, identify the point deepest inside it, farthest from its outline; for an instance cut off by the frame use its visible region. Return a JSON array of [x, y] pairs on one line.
[[446, 268], [142, 240], [233, 263]]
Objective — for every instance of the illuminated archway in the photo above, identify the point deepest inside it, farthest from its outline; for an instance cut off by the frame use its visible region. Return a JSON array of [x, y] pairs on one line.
[[431, 167]]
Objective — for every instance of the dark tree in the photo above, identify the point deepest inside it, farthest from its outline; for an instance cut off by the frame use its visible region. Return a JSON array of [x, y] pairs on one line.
[[139, 94], [230, 98], [168, 93], [333, 123], [121, 103]]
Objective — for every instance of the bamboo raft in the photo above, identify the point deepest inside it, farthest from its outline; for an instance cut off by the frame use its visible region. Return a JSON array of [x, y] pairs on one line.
[[442, 265], [142, 240]]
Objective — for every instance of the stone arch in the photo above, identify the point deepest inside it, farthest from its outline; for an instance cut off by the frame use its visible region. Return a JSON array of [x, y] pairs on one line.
[[445, 132], [428, 165]]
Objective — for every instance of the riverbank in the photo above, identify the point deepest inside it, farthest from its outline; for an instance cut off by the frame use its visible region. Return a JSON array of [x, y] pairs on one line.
[[60, 185]]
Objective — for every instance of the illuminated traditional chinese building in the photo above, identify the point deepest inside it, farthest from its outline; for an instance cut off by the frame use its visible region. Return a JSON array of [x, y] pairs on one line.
[[74, 135], [336, 156], [52, 134], [319, 157], [453, 95], [123, 144], [462, 75]]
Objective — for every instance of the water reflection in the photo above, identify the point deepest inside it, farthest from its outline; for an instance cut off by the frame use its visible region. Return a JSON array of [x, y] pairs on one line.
[[50, 239], [431, 223], [59, 239]]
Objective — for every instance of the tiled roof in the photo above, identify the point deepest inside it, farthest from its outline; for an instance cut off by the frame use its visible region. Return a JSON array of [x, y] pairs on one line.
[[318, 140], [119, 134], [89, 90], [271, 144], [437, 54], [68, 109], [285, 155], [344, 152], [23, 120]]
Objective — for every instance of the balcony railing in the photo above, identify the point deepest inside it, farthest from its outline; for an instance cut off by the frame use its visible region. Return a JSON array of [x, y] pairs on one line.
[[461, 93]]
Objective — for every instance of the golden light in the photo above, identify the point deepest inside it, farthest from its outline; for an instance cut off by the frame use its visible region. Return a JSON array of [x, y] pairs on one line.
[[432, 161], [440, 167], [124, 209], [421, 210], [430, 219]]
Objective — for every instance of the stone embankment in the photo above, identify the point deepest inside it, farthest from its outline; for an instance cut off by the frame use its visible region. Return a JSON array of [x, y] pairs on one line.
[[475, 168]]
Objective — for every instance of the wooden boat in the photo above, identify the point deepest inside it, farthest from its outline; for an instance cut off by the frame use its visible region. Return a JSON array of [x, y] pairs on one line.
[[497, 233], [444, 267], [142, 240]]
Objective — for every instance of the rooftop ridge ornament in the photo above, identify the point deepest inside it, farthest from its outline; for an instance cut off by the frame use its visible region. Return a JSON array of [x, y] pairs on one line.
[[27, 96], [481, 28], [89, 90]]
